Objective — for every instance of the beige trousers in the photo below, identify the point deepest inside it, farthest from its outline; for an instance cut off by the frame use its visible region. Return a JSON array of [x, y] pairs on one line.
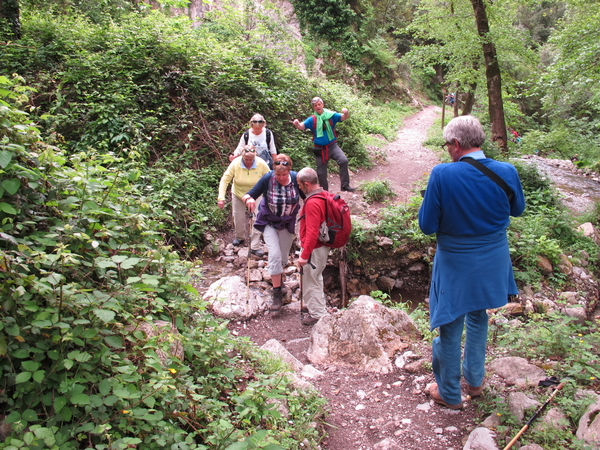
[[241, 222], [313, 295]]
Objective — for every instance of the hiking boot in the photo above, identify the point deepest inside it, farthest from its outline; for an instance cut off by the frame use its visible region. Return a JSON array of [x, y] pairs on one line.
[[474, 391], [277, 299], [309, 320], [437, 398], [258, 253], [348, 189], [237, 242]]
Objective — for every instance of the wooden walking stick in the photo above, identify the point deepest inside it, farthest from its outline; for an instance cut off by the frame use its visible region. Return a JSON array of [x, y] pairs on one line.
[[301, 291], [248, 235], [537, 413], [343, 271]]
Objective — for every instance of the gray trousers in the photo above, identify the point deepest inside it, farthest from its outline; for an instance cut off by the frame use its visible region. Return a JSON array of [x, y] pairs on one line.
[[335, 153], [313, 295]]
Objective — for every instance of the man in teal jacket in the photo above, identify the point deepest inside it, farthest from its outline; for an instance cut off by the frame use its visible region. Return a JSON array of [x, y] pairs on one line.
[[322, 124]]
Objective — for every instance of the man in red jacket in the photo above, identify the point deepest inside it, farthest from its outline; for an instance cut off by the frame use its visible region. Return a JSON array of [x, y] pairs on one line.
[[313, 254]]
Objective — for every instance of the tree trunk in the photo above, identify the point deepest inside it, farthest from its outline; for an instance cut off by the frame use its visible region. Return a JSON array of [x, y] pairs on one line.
[[9, 10], [492, 74], [456, 101], [443, 107], [469, 99]]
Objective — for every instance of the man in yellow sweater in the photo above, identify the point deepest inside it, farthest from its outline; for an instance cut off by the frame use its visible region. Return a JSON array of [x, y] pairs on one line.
[[245, 171]]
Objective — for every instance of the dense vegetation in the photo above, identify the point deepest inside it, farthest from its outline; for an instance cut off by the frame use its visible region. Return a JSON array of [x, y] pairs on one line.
[[114, 133], [84, 271]]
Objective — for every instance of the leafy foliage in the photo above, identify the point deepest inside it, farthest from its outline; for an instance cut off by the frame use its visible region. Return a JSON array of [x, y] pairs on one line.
[[358, 39], [154, 91], [376, 191], [546, 228], [568, 344], [182, 203], [84, 274], [398, 222]]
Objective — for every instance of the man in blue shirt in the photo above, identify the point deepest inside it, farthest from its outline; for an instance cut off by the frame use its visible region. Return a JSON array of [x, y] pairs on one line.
[[322, 124], [472, 271]]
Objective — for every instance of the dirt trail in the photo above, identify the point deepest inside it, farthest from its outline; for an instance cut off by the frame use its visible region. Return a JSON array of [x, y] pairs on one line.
[[407, 161], [369, 411]]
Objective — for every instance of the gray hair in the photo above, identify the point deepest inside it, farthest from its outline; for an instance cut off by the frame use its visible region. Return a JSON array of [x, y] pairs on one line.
[[467, 130], [315, 100], [308, 175]]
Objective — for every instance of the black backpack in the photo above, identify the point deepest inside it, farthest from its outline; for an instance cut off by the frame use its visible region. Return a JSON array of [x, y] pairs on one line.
[[266, 154]]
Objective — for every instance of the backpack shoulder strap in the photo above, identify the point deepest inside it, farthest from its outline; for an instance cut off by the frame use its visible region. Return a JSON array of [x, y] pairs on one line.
[[491, 175], [332, 127], [268, 132], [323, 197], [246, 136]]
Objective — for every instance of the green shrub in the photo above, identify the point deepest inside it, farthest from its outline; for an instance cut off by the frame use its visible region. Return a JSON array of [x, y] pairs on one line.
[[376, 191], [546, 228], [401, 224], [185, 203]]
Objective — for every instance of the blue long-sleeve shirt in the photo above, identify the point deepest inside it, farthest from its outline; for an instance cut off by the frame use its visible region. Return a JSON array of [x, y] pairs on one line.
[[469, 213], [461, 201]]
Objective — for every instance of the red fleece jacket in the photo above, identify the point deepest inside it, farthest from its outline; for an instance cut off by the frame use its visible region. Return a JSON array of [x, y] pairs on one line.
[[312, 216]]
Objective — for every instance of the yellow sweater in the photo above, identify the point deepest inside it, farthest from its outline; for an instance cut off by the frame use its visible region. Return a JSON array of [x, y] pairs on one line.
[[243, 179]]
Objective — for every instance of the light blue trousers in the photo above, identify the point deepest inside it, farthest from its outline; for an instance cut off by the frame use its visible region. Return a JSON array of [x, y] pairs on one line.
[[447, 354]]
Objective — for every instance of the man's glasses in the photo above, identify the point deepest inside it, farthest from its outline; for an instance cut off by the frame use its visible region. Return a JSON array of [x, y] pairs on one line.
[[281, 163], [250, 150], [257, 121], [445, 145]]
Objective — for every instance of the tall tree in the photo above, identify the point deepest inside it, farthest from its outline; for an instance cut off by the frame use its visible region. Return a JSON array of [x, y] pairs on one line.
[[492, 75], [451, 39]]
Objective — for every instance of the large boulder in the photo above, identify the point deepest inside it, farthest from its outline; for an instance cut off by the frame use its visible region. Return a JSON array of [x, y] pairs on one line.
[[365, 336], [230, 298]]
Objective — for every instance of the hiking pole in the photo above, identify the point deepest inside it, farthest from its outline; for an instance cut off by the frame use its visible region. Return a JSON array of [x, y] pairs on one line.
[[537, 413], [248, 236], [343, 269], [301, 291]]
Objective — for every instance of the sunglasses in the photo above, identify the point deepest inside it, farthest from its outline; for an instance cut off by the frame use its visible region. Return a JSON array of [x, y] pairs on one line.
[[250, 150], [257, 121], [281, 163]]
